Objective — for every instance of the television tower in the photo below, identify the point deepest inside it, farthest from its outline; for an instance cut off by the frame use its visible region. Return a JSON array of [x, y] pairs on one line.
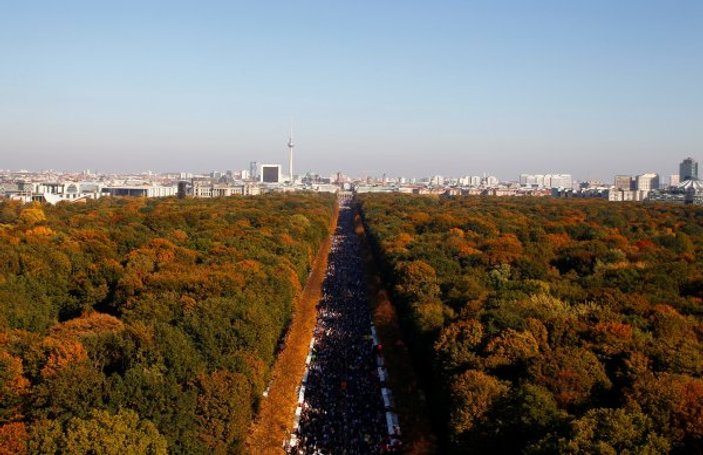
[[290, 155]]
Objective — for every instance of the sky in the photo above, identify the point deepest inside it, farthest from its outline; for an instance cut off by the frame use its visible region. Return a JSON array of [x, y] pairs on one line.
[[408, 88]]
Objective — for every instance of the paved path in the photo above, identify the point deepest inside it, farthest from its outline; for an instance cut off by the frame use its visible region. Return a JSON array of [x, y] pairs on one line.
[[343, 411]]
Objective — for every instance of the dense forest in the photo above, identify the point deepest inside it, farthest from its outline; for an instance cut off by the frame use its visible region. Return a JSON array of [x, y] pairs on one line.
[[550, 326], [134, 326]]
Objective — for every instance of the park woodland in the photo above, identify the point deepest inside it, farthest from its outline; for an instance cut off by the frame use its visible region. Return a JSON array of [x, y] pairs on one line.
[[533, 325]]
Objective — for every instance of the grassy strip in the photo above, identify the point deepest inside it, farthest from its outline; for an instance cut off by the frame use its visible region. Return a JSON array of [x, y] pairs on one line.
[[418, 434], [275, 418]]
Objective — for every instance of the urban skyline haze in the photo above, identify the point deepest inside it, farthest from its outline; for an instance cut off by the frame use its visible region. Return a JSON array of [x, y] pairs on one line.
[[407, 88]]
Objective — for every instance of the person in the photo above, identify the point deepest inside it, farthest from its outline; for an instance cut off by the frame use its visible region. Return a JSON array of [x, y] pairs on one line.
[[343, 409]]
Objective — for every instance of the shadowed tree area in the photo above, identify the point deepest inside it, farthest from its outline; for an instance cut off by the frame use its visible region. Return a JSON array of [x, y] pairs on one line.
[[550, 326]]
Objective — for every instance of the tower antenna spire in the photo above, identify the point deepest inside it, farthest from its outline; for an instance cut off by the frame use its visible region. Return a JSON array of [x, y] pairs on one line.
[[290, 154]]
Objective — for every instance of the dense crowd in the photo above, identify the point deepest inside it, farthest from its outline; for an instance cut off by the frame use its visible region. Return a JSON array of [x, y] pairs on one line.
[[343, 411]]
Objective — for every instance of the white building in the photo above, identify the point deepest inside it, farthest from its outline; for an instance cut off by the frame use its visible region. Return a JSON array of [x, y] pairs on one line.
[[547, 180], [647, 182], [437, 180], [141, 191], [490, 181], [622, 195]]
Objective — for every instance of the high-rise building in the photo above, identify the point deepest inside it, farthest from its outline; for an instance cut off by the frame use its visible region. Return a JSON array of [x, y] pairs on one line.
[[254, 170], [674, 180], [688, 169]]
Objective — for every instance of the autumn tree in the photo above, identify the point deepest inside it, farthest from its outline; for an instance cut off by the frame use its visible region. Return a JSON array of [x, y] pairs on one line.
[[474, 393]]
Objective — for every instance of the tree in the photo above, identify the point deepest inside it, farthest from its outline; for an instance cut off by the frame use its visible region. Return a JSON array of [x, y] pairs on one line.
[[571, 374], [223, 410], [14, 387], [114, 434], [32, 215], [535, 409], [509, 347], [429, 316], [13, 438], [145, 304], [614, 431], [71, 391], [565, 297], [457, 343], [473, 393], [503, 249], [466, 292], [417, 282], [675, 404]]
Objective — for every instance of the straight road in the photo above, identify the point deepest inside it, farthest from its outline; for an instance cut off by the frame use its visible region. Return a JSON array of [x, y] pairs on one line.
[[343, 411]]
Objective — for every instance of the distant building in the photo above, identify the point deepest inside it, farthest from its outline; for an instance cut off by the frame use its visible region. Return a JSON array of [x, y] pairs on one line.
[[625, 195], [270, 173], [690, 191], [688, 169], [674, 180], [182, 190], [693, 190], [490, 181], [624, 182], [547, 180], [141, 191], [437, 180], [647, 182], [254, 170], [560, 181], [591, 184], [53, 192]]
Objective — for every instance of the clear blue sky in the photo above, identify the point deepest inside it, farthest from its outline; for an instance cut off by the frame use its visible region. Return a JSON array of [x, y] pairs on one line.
[[407, 87]]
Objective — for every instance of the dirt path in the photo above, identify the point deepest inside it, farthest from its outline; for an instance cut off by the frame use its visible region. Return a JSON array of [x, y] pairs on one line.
[[273, 423]]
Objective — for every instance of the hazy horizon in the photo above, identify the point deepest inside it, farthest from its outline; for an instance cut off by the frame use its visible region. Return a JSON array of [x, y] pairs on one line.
[[404, 88]]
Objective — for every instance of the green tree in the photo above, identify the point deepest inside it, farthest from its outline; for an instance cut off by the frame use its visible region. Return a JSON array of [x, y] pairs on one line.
[[417, 282], [473, 393], [614, 431], [223, 410], [114, 434]]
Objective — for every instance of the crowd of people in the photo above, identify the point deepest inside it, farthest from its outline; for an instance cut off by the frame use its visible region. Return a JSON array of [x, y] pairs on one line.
[[343, 411]]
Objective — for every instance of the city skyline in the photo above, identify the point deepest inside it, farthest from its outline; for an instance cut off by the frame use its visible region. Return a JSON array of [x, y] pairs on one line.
[[408, 89], [204, 171], [250, 170], [688, 170]]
